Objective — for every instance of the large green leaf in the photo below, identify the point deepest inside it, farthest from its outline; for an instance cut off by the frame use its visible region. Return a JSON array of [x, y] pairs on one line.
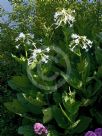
[[73, 79], [99, 72], [82, 124], [97, 115], [70, 104], [84, 68], [20, 83], [93, 88], [52, 133], [33, 108], [35, 99], [98, 53], [15, 107], [26, 130], [59, 117], [57, 97], [37, 80], [47, 115]]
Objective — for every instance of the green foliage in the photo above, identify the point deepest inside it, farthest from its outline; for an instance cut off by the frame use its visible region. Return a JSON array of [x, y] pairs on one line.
[[52, 133], [82, 125], [19, 83], [26, 131], [47, 115], [61, 68]]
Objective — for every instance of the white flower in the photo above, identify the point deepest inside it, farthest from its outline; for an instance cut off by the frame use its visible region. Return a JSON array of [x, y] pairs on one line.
[[38, 54], [48, 49], [64, 17], [17, 46], [38, 50], [28, 42], [45, 58], [79, 42], [74, 36], [21, 36]]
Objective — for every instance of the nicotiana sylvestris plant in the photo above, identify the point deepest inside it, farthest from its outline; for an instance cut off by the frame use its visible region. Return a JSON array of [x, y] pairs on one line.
[[57, 86]]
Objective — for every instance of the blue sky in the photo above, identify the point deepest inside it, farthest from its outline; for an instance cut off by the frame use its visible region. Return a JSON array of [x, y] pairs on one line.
[[6, 5]]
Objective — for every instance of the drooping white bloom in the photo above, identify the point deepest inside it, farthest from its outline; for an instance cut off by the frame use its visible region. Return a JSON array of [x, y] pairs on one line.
[[17, 46], [79, 42], [38, 55], [21, 36], [47, 49], [45, 58], [64, 17], [74, 36]]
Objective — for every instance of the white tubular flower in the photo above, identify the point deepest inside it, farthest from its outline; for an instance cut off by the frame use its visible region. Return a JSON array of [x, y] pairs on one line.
[[79, 42], [38, 54], [17, 46], [45, 58], [74, 36], [47, 49], [64, 17], [21, 36]]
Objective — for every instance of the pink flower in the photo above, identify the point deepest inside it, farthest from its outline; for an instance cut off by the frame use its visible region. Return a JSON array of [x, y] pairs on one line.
[[98, 131], [40, 129], [90, 133]]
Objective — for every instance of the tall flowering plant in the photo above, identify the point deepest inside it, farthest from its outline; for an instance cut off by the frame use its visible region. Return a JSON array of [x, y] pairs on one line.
[[60, 82]]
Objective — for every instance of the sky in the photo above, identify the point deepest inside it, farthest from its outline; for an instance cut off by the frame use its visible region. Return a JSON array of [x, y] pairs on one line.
[[6, 5]]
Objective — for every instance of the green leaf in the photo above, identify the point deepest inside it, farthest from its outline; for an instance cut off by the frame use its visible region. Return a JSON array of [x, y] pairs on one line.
[[47, 115], [72, 79], [57, 97], [21, 60], [99, 72], [39, 82], [19, 83], [33, 108], [84, 68], [52, 133], [15, 107], [82, 124], [26, 130], [98, 53], [69, 102], [59, 117], [97, 115], [93, 88]]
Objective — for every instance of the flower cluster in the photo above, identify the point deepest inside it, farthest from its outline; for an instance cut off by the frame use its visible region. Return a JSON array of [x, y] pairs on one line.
[[64, 17], [97, 132], [79, 42], [39, 53], [40, 129], [27, 39]]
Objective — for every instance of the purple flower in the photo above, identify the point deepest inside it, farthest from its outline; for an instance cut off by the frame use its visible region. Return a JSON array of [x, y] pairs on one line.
[[98, 131], [90, 133], [39, 129]]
